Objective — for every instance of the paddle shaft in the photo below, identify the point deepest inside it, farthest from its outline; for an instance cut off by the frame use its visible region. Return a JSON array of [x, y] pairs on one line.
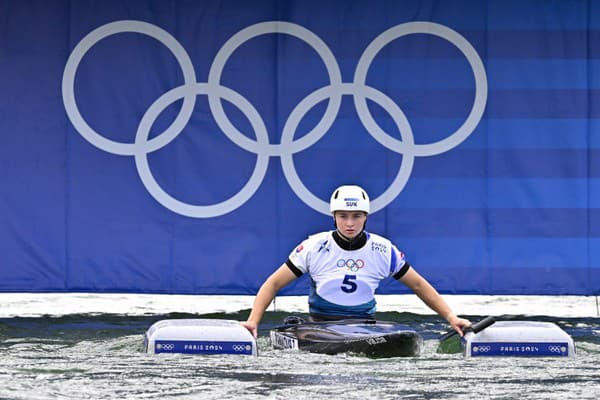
[[475, 328]]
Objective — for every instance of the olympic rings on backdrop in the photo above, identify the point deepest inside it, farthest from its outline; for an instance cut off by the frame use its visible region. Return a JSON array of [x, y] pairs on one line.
[[289, 146]]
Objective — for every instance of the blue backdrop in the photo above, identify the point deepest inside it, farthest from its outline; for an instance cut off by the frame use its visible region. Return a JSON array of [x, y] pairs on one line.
[[187, 147]]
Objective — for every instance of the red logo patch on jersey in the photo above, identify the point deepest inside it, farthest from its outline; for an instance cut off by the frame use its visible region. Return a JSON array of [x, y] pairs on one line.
[[299, 249]]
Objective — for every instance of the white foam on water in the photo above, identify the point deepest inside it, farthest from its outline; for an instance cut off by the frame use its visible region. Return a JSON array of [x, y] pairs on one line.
[[57, 304], [68, 359]]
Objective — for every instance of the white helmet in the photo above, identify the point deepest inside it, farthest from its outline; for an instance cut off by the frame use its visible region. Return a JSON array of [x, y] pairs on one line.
[[349, 198]]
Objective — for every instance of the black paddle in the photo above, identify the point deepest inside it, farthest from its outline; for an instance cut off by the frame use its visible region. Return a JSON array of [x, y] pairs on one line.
[[476, 327]]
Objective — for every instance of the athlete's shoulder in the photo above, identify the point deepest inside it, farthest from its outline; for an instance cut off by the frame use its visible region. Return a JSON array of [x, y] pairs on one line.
[[383, 245], [318, 240], [315, 241], [320, 235], [374, 238]]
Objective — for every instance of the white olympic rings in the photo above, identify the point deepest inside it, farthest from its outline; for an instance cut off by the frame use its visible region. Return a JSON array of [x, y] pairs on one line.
[[557, 349], [481, 349], [165, 346], [241, 347], [332, 92]]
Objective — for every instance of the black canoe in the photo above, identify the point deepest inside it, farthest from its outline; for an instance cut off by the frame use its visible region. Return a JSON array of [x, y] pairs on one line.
[[372, 338]]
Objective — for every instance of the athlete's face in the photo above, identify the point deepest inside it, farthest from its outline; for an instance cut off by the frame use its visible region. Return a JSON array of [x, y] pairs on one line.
[[350, 223]]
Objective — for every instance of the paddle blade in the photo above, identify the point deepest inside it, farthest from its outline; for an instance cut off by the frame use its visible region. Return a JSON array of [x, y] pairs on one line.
[[450, 341]]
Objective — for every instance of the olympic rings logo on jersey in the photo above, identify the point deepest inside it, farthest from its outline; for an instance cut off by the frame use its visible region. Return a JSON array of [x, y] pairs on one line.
[[350, 264], [358, 89]]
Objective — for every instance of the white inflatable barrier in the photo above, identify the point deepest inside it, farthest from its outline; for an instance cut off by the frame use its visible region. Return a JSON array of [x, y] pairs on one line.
[[199, 336], [519, 338]]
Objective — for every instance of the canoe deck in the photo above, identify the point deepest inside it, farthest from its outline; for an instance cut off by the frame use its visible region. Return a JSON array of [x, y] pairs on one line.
[[372, 338]]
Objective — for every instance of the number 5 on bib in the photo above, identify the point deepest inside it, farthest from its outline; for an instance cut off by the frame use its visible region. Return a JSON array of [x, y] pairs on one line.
[[348, 285]]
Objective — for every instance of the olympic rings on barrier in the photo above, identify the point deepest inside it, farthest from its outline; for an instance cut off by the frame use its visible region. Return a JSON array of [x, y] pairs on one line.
[[165, 346], [241, 347], [557, 349], [481, 349], [289, 146]]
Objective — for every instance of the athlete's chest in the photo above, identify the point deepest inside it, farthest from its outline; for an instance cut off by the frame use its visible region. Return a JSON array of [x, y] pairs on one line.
[[334, 260]]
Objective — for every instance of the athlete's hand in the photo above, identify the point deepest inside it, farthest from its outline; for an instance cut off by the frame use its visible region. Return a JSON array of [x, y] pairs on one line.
[[459, 324], [251, 326]]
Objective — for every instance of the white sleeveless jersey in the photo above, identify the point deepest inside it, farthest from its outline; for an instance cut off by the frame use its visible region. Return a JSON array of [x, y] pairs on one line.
[[346, 278]]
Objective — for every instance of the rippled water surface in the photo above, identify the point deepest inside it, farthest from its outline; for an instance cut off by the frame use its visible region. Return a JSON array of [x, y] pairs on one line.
[[101, 356]]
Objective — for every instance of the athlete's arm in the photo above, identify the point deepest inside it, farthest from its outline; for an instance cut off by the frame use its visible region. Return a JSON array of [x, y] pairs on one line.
[[278, 279], [432, 298]]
